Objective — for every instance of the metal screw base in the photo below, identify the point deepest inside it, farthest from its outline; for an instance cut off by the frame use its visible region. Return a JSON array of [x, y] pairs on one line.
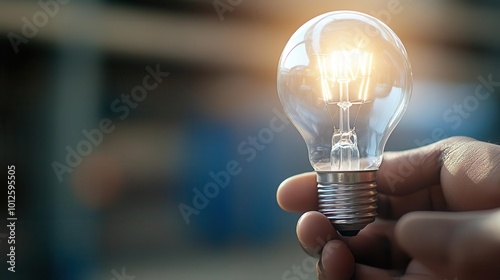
[[348, 199]]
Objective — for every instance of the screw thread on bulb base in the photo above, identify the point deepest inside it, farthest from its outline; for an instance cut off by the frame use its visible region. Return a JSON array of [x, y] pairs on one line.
[[348, 199]]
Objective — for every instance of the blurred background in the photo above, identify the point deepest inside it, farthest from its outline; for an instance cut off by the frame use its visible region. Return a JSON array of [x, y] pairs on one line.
[[103, 180]]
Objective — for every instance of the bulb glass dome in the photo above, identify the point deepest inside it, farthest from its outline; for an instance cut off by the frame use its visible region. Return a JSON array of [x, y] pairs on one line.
[[344, 80]]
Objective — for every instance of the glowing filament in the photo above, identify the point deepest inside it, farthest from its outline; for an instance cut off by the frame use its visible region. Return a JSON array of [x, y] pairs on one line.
[[345, 77]]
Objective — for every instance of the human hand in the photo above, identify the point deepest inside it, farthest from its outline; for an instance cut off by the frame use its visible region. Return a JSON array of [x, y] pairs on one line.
[[439, 217]]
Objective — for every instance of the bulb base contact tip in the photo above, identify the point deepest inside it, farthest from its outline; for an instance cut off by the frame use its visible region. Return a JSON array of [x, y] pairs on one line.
[[348, 199], [348, 233]]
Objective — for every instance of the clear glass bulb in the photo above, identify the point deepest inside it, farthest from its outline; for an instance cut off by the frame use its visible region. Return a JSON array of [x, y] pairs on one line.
[[345, 81]]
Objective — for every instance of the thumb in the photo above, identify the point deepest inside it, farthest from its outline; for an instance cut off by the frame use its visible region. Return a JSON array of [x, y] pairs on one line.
[[463, 245]]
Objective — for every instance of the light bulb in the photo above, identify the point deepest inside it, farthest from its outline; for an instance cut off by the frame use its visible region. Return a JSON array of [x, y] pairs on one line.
[[345, 81]]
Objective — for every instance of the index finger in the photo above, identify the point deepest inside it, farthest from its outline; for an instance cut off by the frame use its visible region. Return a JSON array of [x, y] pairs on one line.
[[298, 193]]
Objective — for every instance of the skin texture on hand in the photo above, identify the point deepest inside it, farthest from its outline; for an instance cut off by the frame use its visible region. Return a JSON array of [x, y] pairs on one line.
[[439, 217]]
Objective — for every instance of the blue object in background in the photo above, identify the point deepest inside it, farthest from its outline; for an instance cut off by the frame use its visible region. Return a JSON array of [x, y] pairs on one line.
[[246, 209], [210, 144]]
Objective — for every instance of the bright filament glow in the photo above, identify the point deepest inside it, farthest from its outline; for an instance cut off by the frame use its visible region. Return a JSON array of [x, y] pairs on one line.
[[339, 71]]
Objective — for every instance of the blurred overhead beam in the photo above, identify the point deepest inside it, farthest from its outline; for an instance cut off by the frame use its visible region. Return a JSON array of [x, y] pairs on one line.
[[148, 33], [449, 21], [253, 34]]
